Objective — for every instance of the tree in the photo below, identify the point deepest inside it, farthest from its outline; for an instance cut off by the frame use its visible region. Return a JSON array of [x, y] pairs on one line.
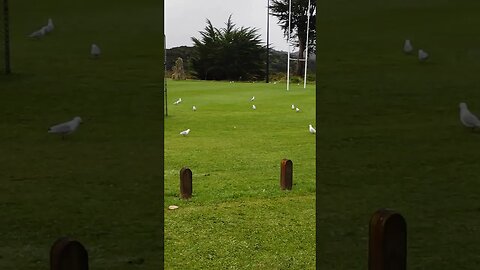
[[298, 28], [228, 53]]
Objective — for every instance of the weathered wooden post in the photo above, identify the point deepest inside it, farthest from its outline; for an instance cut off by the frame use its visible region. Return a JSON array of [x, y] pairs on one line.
[[388, 241], [185, 183], [68, 254], [286, 174]]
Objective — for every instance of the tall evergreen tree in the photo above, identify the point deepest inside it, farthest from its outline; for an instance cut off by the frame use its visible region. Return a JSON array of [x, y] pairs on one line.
[[228, 53]]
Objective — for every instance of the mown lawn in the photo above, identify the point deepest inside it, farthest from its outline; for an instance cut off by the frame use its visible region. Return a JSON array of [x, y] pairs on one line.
[[238, 217], [389, 130]]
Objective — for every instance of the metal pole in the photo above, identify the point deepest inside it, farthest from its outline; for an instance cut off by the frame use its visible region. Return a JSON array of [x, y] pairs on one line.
[[165, 73], [306, 51], [288, 41], [268, 41], [7, 37]]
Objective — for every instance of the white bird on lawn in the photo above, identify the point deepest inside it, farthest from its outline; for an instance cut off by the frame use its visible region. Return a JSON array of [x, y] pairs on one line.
[[467, 118], [185, 132], [253, 98], [311, 129], [297, 109], [194, 108], [407, 47], [49, 28], [422, 55], [95, 51], [39, 33], [293, 107], [66, 128], [254, 107], [178, 101]]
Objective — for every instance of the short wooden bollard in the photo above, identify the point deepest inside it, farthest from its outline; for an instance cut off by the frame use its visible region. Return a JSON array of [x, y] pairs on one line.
[[388, 241], [68, 254], [186, 183], [286, 174]]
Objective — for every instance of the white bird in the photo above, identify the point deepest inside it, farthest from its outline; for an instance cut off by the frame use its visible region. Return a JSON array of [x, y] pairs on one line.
[[297, 109], [467, 118], [253, 98], [194, 108], [178, 101], [311, 129], [185, 132], [407, 47], [95, 51], [38, 34], [66, 128], [274, 82], [422, 55], [49, 28], [293, 107], [254, 107]]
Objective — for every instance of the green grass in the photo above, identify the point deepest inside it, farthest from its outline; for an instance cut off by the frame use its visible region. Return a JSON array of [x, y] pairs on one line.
[[101, 184], [389, 130], [238, 217]]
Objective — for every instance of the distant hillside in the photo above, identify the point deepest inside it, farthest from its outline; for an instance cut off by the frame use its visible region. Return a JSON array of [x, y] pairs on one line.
[[278, 59]]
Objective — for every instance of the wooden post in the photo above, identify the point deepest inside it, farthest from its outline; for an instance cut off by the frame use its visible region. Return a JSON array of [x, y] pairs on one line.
[[388, 241], [186, 183], [286, 174], [68, 254]]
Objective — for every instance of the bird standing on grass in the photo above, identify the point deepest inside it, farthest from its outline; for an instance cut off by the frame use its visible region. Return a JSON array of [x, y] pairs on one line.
[[49, 28], [253, 98], [95, 51], [254, 107], [407, 47], [66, 128], [293, 107], [178, 101], [194, 108], [467, 118], [422, 55], [185, 132], [297, 109], [311, 129]]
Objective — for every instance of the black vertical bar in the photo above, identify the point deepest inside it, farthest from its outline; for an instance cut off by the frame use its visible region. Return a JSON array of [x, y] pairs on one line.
[[7, 37]]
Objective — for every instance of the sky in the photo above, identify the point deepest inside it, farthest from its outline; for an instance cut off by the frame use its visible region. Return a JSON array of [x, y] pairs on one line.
[[185, 18]]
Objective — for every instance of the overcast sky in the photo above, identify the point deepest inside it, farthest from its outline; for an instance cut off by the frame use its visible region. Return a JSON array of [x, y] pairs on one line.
[[185, 18]]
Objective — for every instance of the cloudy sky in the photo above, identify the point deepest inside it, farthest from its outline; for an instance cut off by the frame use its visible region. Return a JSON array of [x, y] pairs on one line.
[[185, 18]]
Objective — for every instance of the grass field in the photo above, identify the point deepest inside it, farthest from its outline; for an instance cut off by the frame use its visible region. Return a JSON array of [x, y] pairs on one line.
[[389, 131], [102, 184], [238, 217]]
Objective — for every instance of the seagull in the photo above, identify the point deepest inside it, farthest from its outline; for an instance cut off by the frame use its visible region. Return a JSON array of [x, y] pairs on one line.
[[66, 128], [293, 107], [95, 51], [311, 129], [253, 107], [407, 46], [467, 118], [39, 33], [297, 109], [422, 55], [185, 132], [178, 101], [194, 108], [253, 98], [49, 28]]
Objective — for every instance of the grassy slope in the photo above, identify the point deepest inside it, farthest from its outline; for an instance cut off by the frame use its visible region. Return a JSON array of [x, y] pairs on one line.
[[238, 217], [390, 134], [100, 185]]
